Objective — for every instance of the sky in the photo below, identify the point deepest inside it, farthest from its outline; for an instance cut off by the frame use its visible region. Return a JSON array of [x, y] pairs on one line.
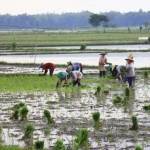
[[15, 7]]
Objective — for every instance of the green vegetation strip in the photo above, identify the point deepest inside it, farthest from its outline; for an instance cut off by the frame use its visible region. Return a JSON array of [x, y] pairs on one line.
[[4, 147], [33, 83], [35, 39], [17, 83]]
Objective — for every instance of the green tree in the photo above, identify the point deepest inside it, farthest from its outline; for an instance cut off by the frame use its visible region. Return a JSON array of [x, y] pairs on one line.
[[96, 20]]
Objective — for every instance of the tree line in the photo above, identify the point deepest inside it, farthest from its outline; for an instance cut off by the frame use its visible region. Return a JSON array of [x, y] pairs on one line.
[[75, 20]]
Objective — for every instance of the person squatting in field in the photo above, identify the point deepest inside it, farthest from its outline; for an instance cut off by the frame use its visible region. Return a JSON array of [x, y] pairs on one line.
[[48, 66], [74, 66]]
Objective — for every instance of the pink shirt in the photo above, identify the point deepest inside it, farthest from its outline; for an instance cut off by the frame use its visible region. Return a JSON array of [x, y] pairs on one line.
[[102, 60]]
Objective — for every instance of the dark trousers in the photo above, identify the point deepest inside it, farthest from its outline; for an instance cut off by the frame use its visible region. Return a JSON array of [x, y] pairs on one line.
[[102, 73], [50, 71], [76, 82], [130, 80]]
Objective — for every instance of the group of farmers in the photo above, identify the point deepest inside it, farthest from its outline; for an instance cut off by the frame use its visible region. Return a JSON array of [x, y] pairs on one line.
[[124, 73], [74, 71]]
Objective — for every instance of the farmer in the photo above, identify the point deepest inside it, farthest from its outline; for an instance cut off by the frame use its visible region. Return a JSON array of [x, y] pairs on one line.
[[62, 77], [118, 71], [74, 66], [48, 66], [76, 76], [130, 71], [102, 63]]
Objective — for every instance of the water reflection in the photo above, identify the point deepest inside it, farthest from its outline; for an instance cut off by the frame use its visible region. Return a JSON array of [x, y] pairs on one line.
[[71, 94], [129, 102], [115, 58]]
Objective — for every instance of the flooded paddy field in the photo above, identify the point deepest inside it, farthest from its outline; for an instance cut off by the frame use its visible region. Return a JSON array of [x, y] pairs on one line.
[[34, 69], [72, 110], [86, 58]]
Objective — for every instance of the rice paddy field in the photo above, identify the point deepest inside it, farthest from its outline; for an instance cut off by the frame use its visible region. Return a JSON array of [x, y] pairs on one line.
[[77, 37], [121, 115], [102, 114]]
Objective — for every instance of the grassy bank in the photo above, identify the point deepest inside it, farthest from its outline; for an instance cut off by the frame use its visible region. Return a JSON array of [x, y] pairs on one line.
[[110, 36], [65, 51]]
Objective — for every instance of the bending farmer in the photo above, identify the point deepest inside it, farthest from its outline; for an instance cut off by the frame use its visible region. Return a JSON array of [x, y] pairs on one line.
[[76, 77], [62, 77], [48, 66], [74, 66]]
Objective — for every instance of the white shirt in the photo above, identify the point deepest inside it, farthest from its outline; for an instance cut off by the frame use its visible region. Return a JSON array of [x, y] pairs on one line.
[[76, 75], [130, 70]]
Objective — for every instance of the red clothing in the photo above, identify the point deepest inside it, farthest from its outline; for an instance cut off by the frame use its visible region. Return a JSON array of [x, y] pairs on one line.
[[48, 66]]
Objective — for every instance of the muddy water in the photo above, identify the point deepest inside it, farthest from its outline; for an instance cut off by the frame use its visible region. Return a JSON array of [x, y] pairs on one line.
[[73, 110], [142, 59], [11, 69]]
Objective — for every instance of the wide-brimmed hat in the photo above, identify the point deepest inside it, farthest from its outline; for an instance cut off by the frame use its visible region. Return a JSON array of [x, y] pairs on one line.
[[130, 57], [103, 53]]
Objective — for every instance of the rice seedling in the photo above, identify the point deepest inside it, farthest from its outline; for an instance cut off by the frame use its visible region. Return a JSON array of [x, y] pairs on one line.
[[39, 145], [15, 115], [47, 131], [146, 74], [82, 47], [96, 119], [81, 140], [28, 132], [127, 92], [14, 45], [48, 117], [106, 91], [59, 145], [23, 113], [98, 90], [146, 107], [134, 123], [17, 106], [19, 111], [117, 100], [138, 147]]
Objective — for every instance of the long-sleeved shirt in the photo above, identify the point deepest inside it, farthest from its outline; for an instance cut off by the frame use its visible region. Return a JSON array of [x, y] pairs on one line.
[[102, 60], [76, 75], [48, 66], [130, 70]]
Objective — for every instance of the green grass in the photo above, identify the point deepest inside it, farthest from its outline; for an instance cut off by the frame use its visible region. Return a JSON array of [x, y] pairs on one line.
[[26, 83], [4, 147], [71, 38], [33, 83]]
